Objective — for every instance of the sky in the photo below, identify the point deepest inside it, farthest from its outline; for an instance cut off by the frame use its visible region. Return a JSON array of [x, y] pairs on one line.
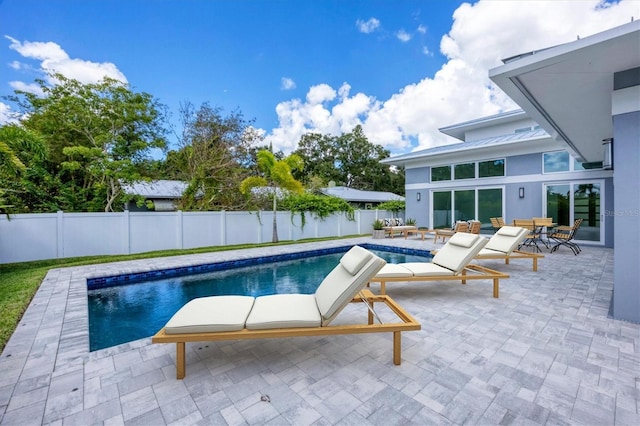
[[401, 69]]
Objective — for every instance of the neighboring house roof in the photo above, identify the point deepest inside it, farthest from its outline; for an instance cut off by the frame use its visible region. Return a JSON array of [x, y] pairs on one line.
[[356, 195], [157, 189]]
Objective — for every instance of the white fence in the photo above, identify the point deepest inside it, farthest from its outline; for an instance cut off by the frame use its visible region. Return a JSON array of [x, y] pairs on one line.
[[28, 237]]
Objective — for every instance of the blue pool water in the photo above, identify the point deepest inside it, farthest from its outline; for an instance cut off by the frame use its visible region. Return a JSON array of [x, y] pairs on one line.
[[131, 307]]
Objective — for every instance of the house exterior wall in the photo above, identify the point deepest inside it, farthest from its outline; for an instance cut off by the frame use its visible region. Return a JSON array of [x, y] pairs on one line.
[[626, 215], [499, 129], [524, 168]]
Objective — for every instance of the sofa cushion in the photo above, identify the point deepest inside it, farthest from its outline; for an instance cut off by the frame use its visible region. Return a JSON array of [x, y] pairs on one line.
[[393, 270], [284, 311], [354, 259], [340, 286], [209, 314]]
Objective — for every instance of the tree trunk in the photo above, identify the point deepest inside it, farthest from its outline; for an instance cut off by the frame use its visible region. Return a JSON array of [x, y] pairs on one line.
[[274, 239]]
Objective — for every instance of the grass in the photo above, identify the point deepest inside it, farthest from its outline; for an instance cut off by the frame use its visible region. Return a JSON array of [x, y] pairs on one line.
[[20, 281]]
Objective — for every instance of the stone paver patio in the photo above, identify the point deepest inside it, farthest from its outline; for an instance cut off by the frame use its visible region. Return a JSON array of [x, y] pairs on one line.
[[545, 352]]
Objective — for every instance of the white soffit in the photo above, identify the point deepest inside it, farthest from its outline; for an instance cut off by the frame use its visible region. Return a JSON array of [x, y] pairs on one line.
[[568, 89]]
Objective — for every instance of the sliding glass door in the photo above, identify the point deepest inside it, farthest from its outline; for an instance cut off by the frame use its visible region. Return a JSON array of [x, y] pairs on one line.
[[567, 202]]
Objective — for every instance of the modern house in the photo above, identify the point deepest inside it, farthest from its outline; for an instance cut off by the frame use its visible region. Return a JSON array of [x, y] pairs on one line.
[[361, 199], [572, 151], [162, 193]]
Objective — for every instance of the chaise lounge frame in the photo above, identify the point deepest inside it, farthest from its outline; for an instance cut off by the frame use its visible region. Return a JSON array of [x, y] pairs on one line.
[[470, 272], [453, 259], [406, 323]]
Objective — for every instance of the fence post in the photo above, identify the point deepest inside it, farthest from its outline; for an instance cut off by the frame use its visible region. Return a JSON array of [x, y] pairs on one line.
[[223, 228], [59, 234], [126, 231], [180, 230]]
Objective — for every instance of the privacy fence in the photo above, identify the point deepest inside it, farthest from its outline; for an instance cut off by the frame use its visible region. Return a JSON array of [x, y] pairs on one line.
[[28, 237]]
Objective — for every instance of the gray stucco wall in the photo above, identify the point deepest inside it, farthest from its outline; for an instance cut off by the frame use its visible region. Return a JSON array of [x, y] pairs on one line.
[[528, 164], [626, 216]]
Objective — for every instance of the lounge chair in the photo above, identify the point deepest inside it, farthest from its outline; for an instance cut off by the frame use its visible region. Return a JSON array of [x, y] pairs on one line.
[[444, 233], [288, 315], [504, 243], [451, 263]]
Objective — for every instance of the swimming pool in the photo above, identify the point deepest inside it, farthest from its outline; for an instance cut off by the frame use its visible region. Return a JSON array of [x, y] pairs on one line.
[[129, 307]]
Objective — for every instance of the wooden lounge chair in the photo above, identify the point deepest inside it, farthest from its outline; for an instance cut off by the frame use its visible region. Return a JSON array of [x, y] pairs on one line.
[[451, 263], [444, 233], [504, 243], [288, 315]]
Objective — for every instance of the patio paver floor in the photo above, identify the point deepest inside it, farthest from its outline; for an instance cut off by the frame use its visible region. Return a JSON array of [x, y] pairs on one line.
[[545, 352]]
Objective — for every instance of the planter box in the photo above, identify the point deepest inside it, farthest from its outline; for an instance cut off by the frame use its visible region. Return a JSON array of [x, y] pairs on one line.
[[378, 234]]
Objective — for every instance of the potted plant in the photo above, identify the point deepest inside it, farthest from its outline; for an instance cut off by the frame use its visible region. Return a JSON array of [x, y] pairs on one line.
[[378, 231], [410, 221]]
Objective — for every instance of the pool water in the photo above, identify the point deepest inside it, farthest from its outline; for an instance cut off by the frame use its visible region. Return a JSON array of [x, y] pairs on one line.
[[124, 313]]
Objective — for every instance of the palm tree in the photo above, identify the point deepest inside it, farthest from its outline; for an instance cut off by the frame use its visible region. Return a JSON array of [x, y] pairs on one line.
[[276, 175]]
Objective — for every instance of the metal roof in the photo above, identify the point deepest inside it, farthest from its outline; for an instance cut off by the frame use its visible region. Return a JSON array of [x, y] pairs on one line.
[[356, 195], [170, 189], [509, 139]]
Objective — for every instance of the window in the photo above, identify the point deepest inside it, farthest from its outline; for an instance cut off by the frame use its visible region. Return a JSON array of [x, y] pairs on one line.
[[561, 161], [491, 168], [466, 204], [464, 171], [440, 173]]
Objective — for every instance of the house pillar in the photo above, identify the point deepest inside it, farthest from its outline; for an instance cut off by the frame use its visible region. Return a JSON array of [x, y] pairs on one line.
[[626, 181]]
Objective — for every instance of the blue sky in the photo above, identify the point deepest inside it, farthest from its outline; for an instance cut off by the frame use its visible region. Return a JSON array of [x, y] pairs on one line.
[[402, 69]]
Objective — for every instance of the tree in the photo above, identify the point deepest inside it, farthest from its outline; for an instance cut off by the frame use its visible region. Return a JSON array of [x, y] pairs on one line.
[[276, 175], [214, 155], [98, 135], [349, 160], [22, 154]]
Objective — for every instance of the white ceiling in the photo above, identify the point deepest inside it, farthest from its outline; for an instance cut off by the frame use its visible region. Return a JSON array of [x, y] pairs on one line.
[[567, 89]]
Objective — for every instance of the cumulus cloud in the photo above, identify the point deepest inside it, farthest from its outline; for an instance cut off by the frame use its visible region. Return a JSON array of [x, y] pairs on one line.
[[369, 26], [287, 83], [403, 36], [52, 58], [481, 35], [422, 29]]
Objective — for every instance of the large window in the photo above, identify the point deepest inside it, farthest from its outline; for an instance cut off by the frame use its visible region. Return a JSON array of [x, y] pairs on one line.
[[485, 169], [561, 161], [466, 204], [440, 173], [464, 171], [491, 168]]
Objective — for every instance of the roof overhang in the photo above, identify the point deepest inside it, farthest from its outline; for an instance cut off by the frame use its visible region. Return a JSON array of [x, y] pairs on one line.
[[567, 89]]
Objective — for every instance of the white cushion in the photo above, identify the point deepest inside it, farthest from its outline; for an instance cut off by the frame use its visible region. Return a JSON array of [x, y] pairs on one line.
[[284, 311], [509, 231], [505, 242], [393, 270], [454, 256], [340, 286], [427, 269], [208, 314], [354, 259], [463, 239]]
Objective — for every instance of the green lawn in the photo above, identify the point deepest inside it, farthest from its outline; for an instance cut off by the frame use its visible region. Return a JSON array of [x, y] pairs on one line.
[[20, 281]]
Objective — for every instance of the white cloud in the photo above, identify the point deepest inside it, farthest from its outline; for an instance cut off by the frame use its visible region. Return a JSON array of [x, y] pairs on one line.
[[369, 26], [426, 51], [52, 58], [7, 115], [480, 36], [287, 83], [403, 36], [422, 29]]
